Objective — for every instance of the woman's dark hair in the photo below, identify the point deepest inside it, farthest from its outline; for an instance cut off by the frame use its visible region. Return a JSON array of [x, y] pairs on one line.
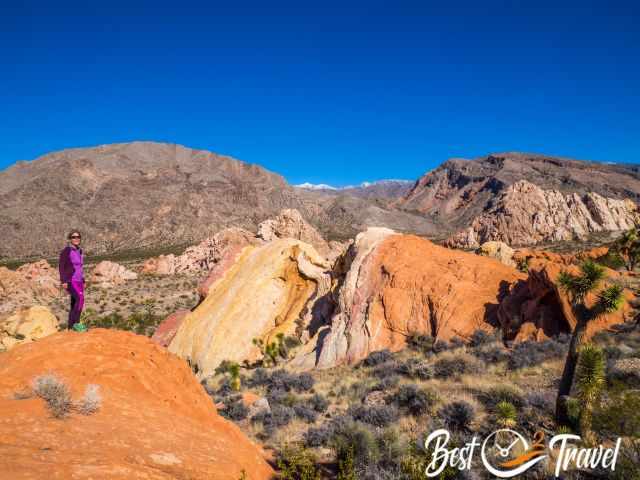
[[75, 230]]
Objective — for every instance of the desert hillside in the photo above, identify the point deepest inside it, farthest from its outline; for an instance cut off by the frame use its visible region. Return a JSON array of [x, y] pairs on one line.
[[146, 195], [525, 199]]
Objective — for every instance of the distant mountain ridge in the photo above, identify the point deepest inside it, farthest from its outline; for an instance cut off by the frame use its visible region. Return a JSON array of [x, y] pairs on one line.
[[146, 194], [525, 199]]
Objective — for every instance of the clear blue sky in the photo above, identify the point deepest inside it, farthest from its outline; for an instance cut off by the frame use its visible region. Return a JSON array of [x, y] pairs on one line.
[[335, 92]]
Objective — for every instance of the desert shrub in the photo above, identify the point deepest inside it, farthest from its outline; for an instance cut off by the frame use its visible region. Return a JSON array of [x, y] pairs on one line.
[[377, 357], [305, 413], [260, 377], [619, 416], [55, 392], [224, 388], [491, 353], [279, 416], [142, 322], [502, 393], [613, 352], [415, 368], [319, 403], [530, 354], [235, 409], [420, 342], [415, 400], [543, 401], [440, 346], [388, 383], [387, 369], [415, 460], [297, 463], [356, 444], [281, 380], [454, 366], [318, 436], [457, 342], [90, 401], [481, 337], [377, 415], [458, 415]]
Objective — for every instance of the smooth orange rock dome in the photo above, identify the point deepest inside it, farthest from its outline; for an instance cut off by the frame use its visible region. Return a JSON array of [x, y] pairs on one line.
[[156, 422]]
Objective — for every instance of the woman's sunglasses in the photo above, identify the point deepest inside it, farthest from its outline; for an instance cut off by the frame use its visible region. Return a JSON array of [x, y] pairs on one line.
[[75, 236]]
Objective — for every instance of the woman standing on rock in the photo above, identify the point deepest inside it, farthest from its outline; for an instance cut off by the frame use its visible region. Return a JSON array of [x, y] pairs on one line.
[[72, 277]]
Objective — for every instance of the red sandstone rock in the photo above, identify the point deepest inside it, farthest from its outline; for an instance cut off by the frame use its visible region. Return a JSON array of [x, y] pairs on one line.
[[537, 308]]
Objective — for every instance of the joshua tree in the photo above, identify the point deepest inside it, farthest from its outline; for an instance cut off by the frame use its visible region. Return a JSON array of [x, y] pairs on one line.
[[590, 379], [609, 300], [628, 246]]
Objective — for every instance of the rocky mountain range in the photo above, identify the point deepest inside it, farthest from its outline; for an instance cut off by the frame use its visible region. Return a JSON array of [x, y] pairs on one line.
[[525, 199], [145, 194]]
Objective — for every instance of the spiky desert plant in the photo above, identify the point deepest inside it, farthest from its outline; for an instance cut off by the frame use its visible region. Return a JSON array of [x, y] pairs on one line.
[[283, 351], [506, 414], [628, 246], [590, 380], [234, 373], [271, 353], [608, 300]]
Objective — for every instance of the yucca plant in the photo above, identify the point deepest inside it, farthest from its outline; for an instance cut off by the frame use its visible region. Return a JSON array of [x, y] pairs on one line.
[[506, 414], [234, 373], [590, 380], [577, 288]]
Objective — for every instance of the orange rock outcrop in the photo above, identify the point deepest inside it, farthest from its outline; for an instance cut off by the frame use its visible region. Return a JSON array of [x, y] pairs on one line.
[[155, 420], [405, 284]]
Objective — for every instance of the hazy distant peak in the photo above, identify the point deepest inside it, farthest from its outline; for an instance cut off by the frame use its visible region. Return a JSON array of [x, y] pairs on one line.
[[365, 184], [315, 186]]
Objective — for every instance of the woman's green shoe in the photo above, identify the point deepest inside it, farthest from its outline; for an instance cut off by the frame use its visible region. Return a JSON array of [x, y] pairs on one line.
[[79, 327]]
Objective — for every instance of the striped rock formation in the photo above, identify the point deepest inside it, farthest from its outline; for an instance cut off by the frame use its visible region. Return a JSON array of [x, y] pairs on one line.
[[394, 285], [525, 214], [269, 289]]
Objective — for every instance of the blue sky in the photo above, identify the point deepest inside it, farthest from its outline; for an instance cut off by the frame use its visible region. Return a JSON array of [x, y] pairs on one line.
[[333, 92]]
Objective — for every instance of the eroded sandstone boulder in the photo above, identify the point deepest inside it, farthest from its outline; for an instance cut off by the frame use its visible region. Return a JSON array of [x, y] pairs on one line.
[[43, 278], [27, 325], [30, 284], [290, 224], [160, 265], [108, 274], [155, 421], [525, 214], [498, 250], [536, 308], [202, 257], [268, 289], [396, 285]]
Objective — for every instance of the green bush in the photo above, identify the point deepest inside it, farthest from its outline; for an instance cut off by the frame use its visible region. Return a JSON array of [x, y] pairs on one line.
[[297, 463]]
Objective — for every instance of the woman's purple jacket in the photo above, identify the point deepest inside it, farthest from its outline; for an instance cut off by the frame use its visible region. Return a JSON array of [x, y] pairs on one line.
[[71, 265]]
